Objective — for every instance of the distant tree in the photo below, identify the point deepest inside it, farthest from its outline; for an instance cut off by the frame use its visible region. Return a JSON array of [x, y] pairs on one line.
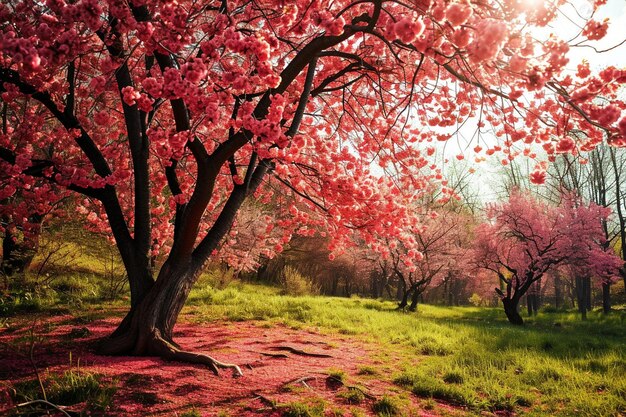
[[439, 253], [525, 238]]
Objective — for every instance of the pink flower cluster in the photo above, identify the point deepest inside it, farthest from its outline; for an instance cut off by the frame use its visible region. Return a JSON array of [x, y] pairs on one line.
[[538, 177], [130, 95], [606, 115], [490, 37], [408, 30], [596, 30], [458, 13]]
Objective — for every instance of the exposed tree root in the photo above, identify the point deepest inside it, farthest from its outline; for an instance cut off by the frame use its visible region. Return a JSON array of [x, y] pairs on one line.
[[271, 403], [303, 380], [116, 345], [168, 351], [44, 402], [354, 387], [301, 352], [158, 346], [274, 355]]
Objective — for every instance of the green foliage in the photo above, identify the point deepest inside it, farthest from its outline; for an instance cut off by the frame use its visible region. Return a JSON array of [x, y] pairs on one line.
[[453, 377], [19, 301], [476, 300], [217, 276], [426, 386]]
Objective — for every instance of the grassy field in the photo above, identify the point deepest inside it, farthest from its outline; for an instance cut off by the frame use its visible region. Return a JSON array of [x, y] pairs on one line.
[[465, 357], [468, 356]]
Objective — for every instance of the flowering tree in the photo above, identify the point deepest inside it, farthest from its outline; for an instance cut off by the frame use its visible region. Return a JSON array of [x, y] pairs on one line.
[[439, 251], [165, 116], [525, 238]]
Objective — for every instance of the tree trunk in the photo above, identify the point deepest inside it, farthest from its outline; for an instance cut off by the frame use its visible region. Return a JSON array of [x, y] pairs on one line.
[[405, 296], [374, 285], [335, 283], [558, 292], [511, 311], [537, 295], [588, 293], [400, 289], [17, 256], [581, 297], [414, 300], [606, 297]]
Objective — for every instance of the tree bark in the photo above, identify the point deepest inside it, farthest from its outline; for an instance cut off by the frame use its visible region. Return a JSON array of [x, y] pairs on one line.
[[400, 289], [532, 303], [558, 292], [581, 296], [414, 300], [405, 296], [511, 311], [606, 297], [588, 293], [17, 256]]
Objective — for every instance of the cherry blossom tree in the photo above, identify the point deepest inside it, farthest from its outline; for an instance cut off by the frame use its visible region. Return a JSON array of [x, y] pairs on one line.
[[166, 116], [525, 238], [439, 250]]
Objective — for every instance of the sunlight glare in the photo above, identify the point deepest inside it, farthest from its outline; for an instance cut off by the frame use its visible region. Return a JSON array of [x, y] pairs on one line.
[[532, 3]]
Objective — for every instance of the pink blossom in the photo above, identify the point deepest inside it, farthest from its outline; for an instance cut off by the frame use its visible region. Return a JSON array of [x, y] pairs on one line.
[[596, 30], [565, 145], [538, 177], [408, 30], [101, 118], [462, 37], [605, 115], [490, 37], [458, 13], [130, 95]]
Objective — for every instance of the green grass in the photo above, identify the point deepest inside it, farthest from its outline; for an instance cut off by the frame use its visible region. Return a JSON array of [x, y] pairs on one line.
[[387, 407], [67, 388], [467, 356], [313, 408]]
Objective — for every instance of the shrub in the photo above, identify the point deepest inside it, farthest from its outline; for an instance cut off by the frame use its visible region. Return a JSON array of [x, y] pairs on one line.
[[218, 277], [476, 300], [294, 283]]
